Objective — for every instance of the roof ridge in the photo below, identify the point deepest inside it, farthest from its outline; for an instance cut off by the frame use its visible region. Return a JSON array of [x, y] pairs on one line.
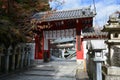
[[66, 10]]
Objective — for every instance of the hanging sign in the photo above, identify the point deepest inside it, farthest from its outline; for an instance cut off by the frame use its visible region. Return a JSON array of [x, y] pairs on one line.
[[74, 32]]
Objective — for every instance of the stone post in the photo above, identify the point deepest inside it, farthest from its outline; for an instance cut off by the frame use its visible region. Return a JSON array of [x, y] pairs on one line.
[[6, 63], [18, 59], [25, 59], [13, 62], [32, 53], [22, 60], [98, 71], [22, 55], [28, 58]]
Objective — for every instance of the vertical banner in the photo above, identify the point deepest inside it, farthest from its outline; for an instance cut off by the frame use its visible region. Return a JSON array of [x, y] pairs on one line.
[[74, 32], [62, 33], [46, 33], [50, 33], [67, 33], [70, 32], [54, 34], [45, 44], [58, 33]]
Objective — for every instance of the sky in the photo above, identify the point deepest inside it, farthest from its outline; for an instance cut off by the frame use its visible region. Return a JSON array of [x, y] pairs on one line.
[[104, 8]]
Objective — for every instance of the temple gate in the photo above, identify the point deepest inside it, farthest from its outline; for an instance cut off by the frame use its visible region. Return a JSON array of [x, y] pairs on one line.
[[59, 24]]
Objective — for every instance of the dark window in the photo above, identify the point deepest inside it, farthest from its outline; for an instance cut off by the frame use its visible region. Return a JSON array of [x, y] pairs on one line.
[[116, 35]]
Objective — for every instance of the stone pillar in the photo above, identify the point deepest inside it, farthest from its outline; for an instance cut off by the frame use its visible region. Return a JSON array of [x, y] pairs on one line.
[[98, 70], [22, 59], [6, 63], [18, 61], [25, 59], [32, 53], [28, 58], [13, 62], [22, 56]]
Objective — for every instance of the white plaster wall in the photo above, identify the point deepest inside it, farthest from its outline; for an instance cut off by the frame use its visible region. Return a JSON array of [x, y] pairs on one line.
[[85, 50]]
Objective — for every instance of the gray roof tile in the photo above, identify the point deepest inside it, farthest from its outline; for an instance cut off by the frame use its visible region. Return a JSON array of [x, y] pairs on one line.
[[68, 14]]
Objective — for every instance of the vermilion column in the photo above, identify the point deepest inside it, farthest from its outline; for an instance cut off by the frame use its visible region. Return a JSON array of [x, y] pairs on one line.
[[79, 44], [79, 47], [80, 51], [38, 47]]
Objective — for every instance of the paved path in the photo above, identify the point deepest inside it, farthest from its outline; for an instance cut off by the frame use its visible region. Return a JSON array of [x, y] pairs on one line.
[[55, 70]]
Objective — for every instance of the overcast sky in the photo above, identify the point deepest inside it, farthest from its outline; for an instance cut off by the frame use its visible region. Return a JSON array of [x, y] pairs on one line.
[[103, 8]]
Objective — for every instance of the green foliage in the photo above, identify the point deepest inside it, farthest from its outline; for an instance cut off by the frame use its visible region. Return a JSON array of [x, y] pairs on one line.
[[10, 36], [15, 20]]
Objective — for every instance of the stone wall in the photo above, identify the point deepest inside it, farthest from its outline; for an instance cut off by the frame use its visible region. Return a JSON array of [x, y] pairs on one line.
[[111, 73]]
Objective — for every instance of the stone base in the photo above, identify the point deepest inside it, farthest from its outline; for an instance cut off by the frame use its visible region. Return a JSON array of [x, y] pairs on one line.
[[110, 77], [81, 64], [111, 73]]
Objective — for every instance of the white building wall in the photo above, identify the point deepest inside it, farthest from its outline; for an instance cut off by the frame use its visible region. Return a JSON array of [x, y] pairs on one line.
[[85, 50]]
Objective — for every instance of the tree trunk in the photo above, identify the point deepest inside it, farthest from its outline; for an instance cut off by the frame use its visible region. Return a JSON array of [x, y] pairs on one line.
[[10, 7]]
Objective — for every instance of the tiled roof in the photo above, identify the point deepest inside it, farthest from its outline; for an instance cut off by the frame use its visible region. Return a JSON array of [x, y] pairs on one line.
[[61, 15], [95, 34]]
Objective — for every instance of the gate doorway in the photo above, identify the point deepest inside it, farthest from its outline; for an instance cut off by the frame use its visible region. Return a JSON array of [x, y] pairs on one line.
[[63, 49]]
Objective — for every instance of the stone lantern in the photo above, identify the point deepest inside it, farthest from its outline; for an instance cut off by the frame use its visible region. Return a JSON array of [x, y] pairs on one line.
[[96, 47], [113, 29], [112, 70]]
